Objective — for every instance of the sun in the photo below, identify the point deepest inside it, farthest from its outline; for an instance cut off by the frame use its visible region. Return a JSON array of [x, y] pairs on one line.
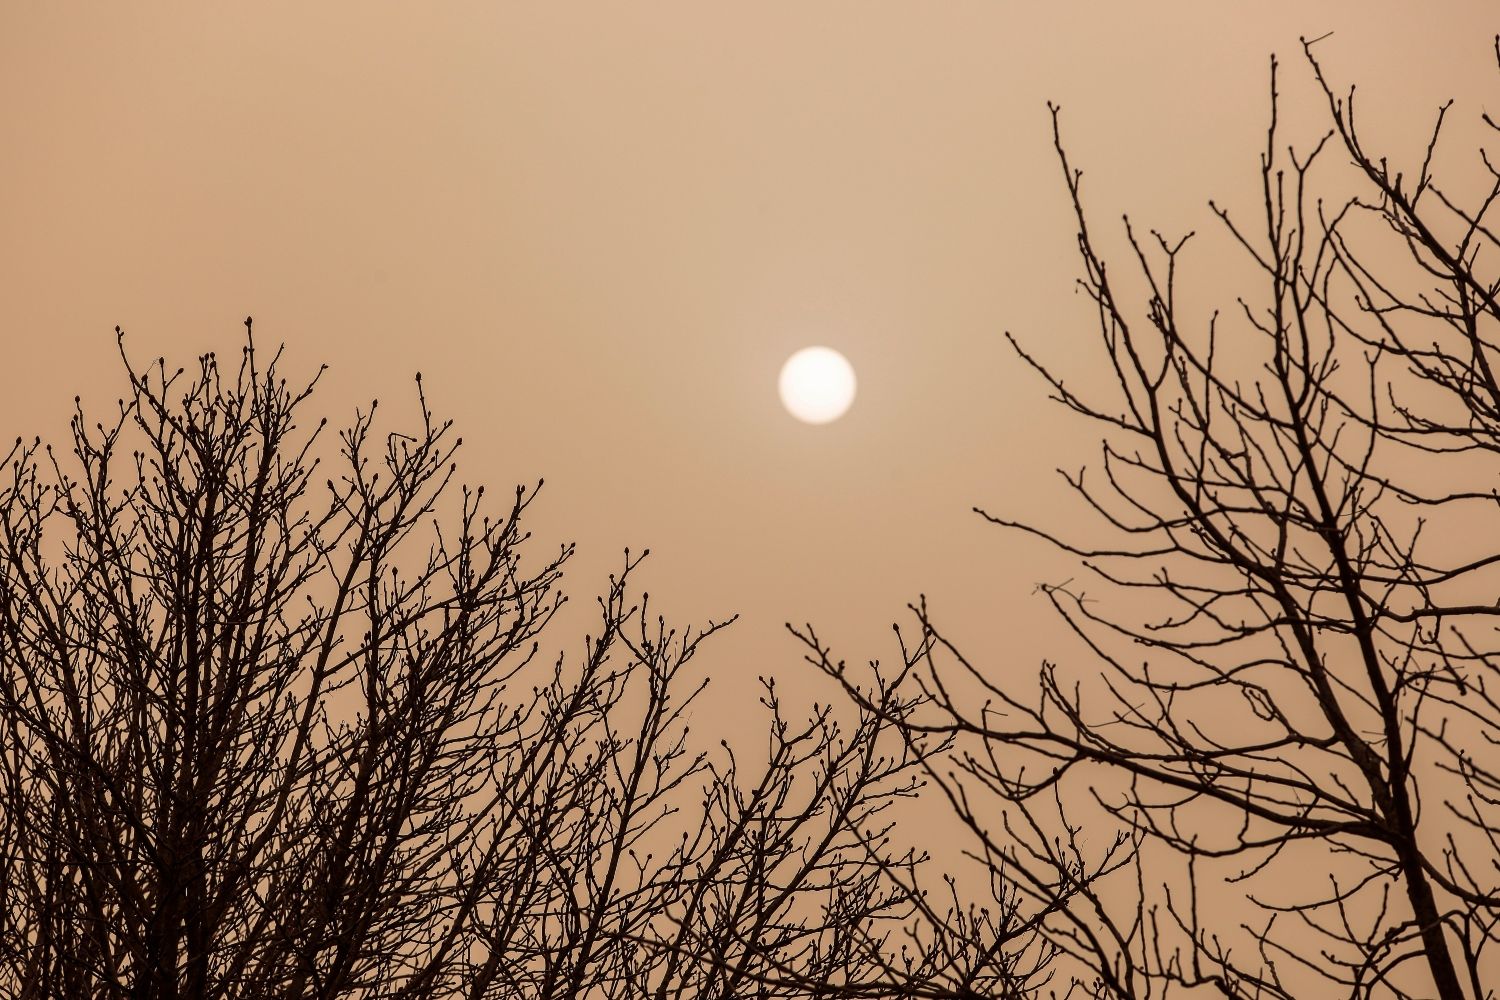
[[817, 385]]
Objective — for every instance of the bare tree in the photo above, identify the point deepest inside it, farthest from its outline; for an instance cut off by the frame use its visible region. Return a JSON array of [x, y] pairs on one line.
[[1288, 693], [267, 732]]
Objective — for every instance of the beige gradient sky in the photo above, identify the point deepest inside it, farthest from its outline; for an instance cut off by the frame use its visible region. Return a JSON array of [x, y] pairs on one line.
[[598, 229]]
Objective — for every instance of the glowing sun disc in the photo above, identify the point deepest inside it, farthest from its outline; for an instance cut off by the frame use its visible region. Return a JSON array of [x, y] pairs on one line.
[[817, 385]]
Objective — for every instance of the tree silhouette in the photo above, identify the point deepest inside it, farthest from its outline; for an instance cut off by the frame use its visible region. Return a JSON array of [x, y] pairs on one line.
[[267, 731], [1288, 687]]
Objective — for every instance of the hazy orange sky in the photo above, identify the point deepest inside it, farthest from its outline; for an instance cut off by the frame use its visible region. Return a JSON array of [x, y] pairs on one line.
[[598, 230]]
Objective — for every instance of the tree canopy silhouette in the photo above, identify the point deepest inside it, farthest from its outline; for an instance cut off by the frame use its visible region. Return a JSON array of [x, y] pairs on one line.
[[1286, 693], [275, 721]]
